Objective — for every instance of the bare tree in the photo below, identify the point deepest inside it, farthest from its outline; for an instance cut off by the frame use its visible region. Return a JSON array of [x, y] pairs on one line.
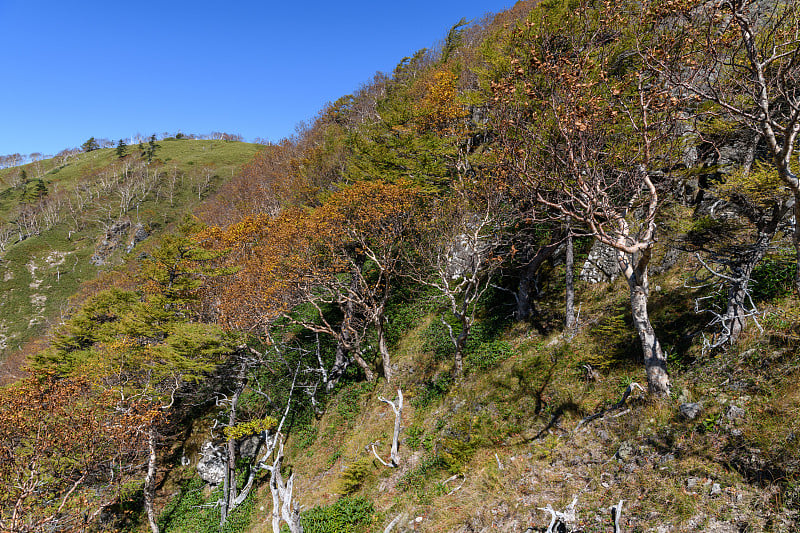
[[459, 255], [267, 431], [36, 159], [6, 235], [729, 257], [202, 180]]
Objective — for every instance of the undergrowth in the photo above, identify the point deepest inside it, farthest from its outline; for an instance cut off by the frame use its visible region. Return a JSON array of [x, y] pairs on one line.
[[191, 512]]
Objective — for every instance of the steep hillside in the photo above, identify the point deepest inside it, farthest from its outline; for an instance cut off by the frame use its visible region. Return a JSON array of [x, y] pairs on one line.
[[541, 277]]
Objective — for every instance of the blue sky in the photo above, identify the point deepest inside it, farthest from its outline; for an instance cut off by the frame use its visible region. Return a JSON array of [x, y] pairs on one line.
[[72, 70]]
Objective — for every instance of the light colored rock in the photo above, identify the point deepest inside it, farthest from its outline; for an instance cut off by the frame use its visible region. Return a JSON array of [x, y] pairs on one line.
[[601, 265], [735, 413], [625, 451], [211, 466], [690, 411]]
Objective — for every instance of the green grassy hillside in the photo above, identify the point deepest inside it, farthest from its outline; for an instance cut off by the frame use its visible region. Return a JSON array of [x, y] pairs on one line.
[[83, 199]]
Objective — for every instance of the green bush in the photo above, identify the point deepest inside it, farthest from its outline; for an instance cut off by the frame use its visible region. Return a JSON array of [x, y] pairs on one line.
[[456, 452], [354, 475], [348, 515], [437, 341], [433, 391], [305, 436], [349, 401], [417, 478], [407, 306], [414, 436]]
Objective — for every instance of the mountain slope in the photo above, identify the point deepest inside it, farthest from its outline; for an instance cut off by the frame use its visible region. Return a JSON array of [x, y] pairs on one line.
[[87, 219]]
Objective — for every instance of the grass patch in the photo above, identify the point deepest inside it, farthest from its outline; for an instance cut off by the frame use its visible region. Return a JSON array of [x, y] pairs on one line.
[[348, 515]]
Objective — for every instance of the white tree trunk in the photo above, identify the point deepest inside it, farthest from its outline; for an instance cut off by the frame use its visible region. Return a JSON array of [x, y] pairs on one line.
[[150, 481]]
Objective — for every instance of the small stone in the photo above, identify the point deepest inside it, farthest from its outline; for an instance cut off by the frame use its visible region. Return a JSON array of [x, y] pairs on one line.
[[716, 490], [692, 482], [735, 413], [690, 411], [418, 519], [625, 451], [736, 433], [747, 353], [666, 458]]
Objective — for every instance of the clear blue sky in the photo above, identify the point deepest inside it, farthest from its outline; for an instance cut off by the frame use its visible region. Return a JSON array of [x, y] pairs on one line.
[[72, 70]]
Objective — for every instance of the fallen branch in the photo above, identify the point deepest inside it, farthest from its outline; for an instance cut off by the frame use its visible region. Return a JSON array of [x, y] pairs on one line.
[[452, 478], [558, 518], [618, 405], [499, 464], [394, 522], [616, 513]]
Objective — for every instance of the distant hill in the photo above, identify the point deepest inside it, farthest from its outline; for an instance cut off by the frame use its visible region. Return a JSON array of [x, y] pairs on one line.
[[65, 220]]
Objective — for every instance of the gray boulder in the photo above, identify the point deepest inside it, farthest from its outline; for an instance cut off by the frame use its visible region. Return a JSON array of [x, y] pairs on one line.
[[211, 466], [690, 411]]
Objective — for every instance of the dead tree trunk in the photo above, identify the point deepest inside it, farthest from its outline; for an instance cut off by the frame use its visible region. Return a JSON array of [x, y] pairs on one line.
[[398, 415], [150, 480], [283, 506], [739, 305], [736, 270], [569, 268], [527, 282], [229, 488]]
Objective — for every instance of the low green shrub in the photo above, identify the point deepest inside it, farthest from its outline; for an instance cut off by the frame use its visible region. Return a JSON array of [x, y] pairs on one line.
[[437, 341], [354, 475], [456, 452], [190, 512], [305, 436], [414, 436], [416, 478], [433, 390], [773, 277], [348, 515]]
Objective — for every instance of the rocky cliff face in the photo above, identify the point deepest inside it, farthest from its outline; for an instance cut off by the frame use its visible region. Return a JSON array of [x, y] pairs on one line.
[[121, 233]]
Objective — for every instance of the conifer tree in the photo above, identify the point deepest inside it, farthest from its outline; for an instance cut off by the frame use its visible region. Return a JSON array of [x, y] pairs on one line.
[[122, 148], [90, 145]]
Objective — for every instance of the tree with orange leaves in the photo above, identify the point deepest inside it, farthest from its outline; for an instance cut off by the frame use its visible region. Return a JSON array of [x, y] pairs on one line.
[[305, 264], [59, 441], [372, 222]]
